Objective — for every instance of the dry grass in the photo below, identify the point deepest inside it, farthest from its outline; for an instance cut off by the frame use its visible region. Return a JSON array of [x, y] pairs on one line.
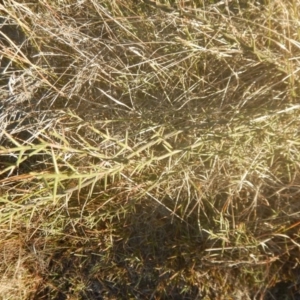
[[149, 150]]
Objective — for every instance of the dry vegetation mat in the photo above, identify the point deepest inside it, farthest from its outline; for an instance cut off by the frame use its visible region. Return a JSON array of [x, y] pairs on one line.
[[149, 150]]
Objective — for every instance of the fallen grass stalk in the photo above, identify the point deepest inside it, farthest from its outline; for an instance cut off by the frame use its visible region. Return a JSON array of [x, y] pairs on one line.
[[149, 149]]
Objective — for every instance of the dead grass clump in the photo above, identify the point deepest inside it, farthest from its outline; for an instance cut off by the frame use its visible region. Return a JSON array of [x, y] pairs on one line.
[[149, 150]]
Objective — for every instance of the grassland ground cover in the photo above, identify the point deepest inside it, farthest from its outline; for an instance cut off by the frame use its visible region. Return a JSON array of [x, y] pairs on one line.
[[149, 150]]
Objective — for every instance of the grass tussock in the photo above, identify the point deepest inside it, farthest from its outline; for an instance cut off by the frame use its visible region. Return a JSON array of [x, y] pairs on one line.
[[149, 150]]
